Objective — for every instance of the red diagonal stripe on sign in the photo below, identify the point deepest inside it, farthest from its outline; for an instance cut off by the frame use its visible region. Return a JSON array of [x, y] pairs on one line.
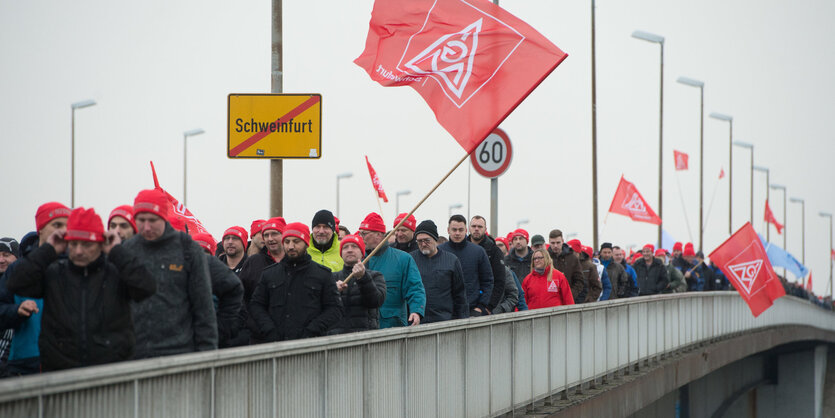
[[307, 104]]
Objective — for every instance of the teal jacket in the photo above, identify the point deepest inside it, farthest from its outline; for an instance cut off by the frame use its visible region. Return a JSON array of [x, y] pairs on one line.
[[404, 287]]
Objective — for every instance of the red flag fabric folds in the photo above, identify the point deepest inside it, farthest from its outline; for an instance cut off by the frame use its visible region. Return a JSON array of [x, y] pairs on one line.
[[193, 225], [681, 160], [375, 181], [809, 282], [769, 217], [721, 173], [744, 261], [628, 201], [470, 60]]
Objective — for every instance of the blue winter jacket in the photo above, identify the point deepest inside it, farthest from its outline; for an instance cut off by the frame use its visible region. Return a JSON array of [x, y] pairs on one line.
[[478, 275]]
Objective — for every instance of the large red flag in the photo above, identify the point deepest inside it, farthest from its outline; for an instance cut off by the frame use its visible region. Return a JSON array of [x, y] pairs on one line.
[[681, 160], [193, 225], [470, 60], [628, 201], [375, 181], [744, 261], [769, 217]]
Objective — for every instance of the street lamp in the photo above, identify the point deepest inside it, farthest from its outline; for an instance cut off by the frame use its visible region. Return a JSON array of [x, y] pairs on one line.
[[340, 177], [453, 207], [767, 195], [521, 222], [829, 215], [397, 199], [649, 37], [77, 105], [701, 86], [730, 120], [802, 225], [750, 147], [186, 134]]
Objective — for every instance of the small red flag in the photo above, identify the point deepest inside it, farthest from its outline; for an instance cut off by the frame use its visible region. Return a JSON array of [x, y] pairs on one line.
[[832, 254], [769, 217], [721, 173], [470, 60], [628, 201], [744, 261], [681, 160], [809, 282], [375, 181], [193, 225]]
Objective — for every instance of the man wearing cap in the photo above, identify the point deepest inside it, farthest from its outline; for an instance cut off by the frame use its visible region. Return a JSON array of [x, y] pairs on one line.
[[87, 318], [121, 221], [257, 238], [519, 258], [537, 242], [698, 275], [325, 246], [234, 248], [677, 283], [479, 236], [405, 296], [9, 250], [363, 295], [228, 292], [617, 274], [652, 276], [593, 285], [677, 247], [618, 256], [443, 278], [271, 253], [180, 316], [405, 234], [567, 261], [296, 297], [478, 275]]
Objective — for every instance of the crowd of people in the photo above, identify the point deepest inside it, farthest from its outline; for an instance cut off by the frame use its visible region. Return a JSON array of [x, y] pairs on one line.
[[74, 293]]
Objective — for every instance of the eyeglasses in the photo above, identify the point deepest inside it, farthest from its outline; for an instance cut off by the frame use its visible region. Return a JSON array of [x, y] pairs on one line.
[[538, 258], [423, 241]]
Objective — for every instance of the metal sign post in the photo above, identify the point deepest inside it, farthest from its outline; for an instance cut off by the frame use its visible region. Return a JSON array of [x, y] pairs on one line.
[[491, 159]]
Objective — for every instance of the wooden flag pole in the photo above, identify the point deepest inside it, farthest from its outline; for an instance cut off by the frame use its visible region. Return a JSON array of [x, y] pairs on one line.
[[386, 237], [380, 205]]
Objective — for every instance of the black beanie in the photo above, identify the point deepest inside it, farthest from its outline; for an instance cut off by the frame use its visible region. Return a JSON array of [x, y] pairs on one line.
[[606, 245], [324, 217], [10, 245], [427, 227]]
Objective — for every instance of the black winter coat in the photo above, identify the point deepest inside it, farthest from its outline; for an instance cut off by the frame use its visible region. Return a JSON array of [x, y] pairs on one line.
[[652, 279], [229, 293], [496, 258], [443, 279], [87, 317], [295, 299], [361, 301]]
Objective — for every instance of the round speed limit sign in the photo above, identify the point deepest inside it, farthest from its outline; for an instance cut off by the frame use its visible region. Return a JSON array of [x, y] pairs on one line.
[[492, 156]]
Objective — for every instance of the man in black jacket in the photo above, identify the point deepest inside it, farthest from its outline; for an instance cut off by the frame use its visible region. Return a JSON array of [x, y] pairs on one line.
[[478, 235], [87, 319], [296, 297], [234, 241], [652, 275], [228, 293], [442, 276], [363, 295]]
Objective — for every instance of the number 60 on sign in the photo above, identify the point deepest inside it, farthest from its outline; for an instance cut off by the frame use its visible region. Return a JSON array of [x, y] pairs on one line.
[[492, 156]]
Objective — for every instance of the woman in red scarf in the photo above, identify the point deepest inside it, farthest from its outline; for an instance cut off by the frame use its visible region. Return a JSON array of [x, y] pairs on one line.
[[545, 286]]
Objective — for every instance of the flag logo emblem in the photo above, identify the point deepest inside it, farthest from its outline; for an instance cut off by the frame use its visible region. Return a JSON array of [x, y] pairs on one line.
[[450, 58], [635, 205], [746, 273]]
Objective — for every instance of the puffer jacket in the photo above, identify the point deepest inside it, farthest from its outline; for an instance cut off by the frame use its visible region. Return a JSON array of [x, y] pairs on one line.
[[361, 301], [330, 257], [652, 279]]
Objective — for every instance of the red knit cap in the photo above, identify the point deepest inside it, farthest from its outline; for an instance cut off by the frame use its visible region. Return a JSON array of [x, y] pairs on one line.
[[677, 246], [277, 223], [256, 226], [336, 220], [410, 223], [503, 240], [650, 246], [575, 245], [353, 239], [49, 211], [151, 201], [126, 212], [373, 222], [298, 230], [237, 231], [688, 250], [84, 225], [660, 252], [518, 232], [206, 242], [589, 251]]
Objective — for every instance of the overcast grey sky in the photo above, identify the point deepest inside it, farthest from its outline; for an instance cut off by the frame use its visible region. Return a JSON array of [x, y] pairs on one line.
[[159, 68]]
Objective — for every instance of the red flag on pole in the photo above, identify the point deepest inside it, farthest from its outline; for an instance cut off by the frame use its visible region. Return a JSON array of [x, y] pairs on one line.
[[769, 217], [744, 261], [628, 201], [832, 254], [192, 223], [470, 60], [721, 173], [809, 282], [681, 160], [375, 181]]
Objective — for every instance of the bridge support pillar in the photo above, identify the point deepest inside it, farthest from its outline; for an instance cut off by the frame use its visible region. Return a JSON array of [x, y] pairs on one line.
[[799, 388]]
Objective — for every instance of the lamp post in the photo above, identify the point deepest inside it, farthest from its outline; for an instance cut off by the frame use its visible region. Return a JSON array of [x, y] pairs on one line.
[[453, 207], [730, 120], [340, 177], [397, 199], [77, 105], [521, 222], [751, 148], [767, 194], [802, 226], [829, 215], [701, 86], [649, 37], [186, 134], [785, 221]]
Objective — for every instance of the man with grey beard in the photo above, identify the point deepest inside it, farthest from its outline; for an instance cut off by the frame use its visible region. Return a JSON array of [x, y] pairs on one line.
[[442, 275]]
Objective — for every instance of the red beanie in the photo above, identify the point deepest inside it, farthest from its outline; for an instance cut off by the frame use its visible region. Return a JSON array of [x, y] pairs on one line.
[[256, 226], [503, 240], [49, 211], [589, 251], [410, 223], [125, 211], [237, 231], [519, 233], [688, 250], [336, 221], [650, 246], [277, 223], [298, 230], [151, 201], [206, 242], [353, 239], [575, 245], [677, 246], [373, 222], [84, 225], [660, 252], [177, 222]]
